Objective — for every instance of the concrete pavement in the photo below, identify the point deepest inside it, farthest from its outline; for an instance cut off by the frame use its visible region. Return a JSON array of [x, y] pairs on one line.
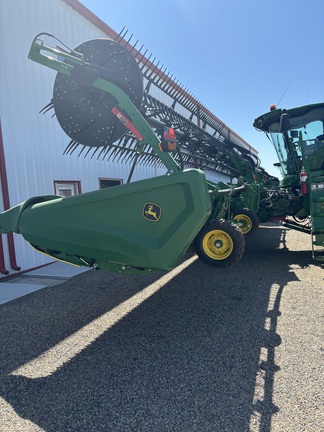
[[196, 349], [29, 282]]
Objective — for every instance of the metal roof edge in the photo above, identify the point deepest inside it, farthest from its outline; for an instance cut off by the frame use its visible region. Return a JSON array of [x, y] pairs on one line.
[[94, 19]]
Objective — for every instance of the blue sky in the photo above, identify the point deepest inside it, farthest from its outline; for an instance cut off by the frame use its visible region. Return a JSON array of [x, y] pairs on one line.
[[236, 56]]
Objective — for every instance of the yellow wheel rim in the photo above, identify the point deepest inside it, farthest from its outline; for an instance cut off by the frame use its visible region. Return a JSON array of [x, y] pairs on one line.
[[243, 222], [217, 244]]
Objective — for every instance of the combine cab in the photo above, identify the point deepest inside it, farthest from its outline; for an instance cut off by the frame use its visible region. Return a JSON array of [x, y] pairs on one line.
[[297, 135]]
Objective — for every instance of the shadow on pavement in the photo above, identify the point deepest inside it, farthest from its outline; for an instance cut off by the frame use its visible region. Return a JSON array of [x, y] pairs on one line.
[[186, 359]]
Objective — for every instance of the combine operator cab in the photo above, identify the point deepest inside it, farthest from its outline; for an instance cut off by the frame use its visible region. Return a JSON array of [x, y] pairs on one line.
[[298, 137]]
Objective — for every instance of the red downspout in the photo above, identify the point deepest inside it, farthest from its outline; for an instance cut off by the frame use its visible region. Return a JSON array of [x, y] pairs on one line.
[[3, 269], [6, 204]]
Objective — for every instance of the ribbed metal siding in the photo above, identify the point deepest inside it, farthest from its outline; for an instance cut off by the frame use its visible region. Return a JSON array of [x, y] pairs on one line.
[[34, 143]]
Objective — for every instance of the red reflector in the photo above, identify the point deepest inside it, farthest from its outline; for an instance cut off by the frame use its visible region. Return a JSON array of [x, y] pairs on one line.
[[169, 134], [127, 123], [169, 140]]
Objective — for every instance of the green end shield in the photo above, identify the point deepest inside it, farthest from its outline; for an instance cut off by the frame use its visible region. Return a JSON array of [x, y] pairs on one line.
[[136, 227]]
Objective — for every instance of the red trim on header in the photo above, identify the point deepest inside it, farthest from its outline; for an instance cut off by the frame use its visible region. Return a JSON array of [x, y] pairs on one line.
[[6, 204], [127, 123]]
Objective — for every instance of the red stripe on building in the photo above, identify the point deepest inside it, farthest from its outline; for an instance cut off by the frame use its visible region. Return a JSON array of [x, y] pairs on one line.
[[6, 204]]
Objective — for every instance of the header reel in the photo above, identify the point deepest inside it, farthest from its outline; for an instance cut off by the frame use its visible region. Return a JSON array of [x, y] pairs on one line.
[[134, 227], [84, 112]]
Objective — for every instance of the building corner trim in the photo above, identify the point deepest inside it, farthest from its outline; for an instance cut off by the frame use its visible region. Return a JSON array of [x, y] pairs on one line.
[[6, 204]]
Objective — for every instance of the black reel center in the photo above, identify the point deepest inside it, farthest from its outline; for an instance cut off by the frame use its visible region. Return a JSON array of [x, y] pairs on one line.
[[84, 112]]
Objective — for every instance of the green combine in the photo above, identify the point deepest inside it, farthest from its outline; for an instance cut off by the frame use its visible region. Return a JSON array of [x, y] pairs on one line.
[[298, 138]]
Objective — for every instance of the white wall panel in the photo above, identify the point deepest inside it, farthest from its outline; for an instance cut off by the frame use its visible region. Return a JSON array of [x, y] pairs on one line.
[[34, 143]]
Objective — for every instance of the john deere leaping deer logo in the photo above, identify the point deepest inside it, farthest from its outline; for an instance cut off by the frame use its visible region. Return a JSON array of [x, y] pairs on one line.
[[151, 211]]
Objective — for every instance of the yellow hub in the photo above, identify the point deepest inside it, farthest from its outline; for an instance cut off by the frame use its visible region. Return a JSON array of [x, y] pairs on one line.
[[217, 244], [243, 222]]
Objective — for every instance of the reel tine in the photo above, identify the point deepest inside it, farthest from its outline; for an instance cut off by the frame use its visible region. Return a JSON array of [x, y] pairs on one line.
[[101, 151], [128, 42], [70, 147], [88, 151], [133, 47], [120, 37], [82, 150], [47, 107]]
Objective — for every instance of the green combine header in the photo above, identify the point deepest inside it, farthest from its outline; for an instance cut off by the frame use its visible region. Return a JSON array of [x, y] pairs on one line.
[[139, 226]]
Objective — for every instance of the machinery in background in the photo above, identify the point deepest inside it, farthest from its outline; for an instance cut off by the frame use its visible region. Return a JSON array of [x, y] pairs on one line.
[[298, 202]]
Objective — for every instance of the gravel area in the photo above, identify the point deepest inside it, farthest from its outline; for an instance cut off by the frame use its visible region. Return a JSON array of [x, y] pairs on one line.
[[196, 349]]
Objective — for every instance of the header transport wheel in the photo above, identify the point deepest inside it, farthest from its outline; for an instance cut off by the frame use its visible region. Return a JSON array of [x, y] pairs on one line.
[[220, 244], [247, 221]]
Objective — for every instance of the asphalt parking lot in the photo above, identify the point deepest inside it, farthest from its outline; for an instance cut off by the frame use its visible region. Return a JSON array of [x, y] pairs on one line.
[[196, 349]]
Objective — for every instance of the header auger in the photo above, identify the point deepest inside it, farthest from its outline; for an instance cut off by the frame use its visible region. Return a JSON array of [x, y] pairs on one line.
[[138, 226]]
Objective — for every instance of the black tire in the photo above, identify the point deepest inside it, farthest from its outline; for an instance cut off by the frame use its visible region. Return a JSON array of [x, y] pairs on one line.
[[220, 244], [247, 221]]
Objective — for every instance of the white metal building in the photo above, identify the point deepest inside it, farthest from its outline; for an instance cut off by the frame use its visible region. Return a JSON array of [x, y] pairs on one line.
[[32, 145]]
